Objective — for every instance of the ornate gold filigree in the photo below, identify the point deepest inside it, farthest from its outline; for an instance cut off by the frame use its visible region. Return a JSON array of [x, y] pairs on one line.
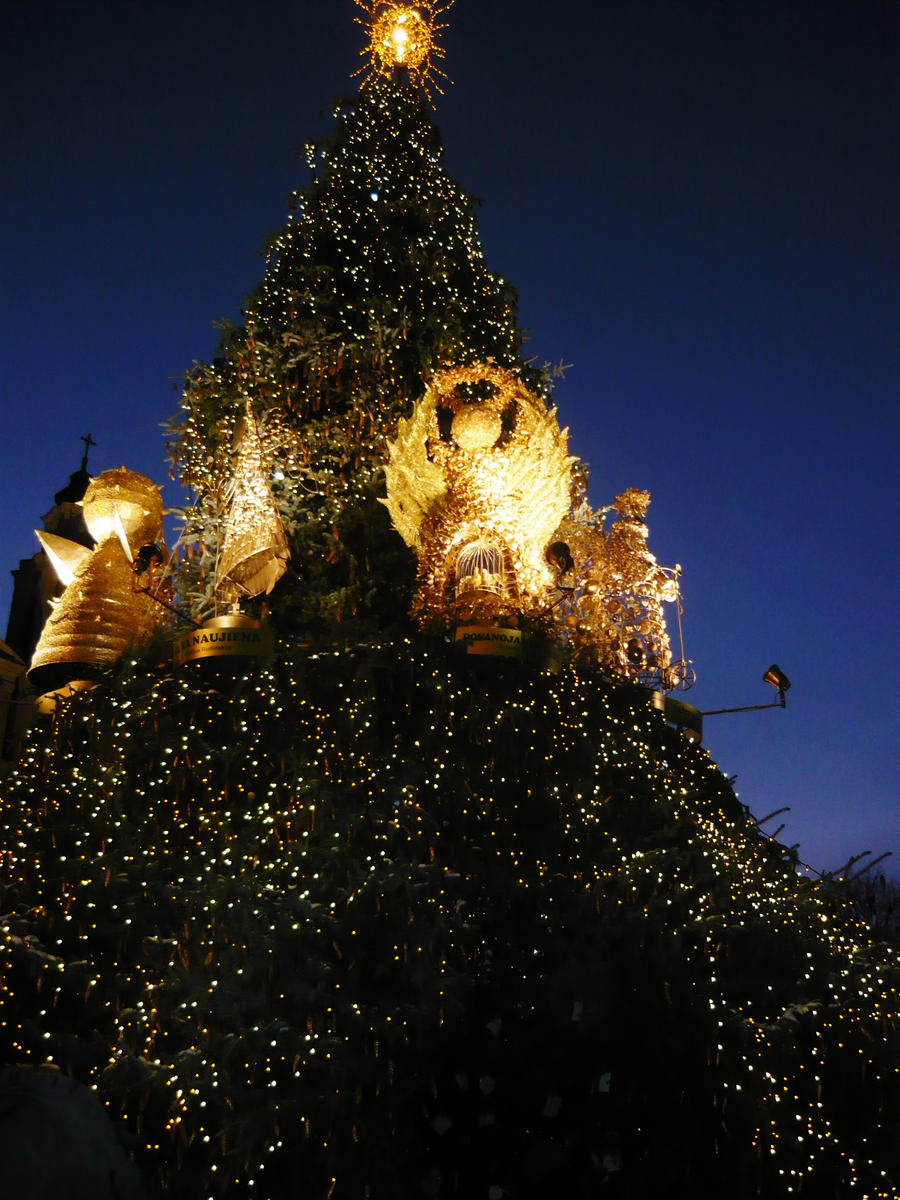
[[478, 480]]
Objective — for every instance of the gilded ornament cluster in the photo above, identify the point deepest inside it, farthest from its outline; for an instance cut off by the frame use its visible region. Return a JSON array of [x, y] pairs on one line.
[[481, 486]]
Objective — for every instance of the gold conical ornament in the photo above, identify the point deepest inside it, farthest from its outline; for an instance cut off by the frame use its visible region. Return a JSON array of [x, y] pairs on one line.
[[478, 479], [253, 549], [100, 614]]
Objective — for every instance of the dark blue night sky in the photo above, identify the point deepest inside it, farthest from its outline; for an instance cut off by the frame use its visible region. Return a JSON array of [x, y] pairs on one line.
[[697, 201]]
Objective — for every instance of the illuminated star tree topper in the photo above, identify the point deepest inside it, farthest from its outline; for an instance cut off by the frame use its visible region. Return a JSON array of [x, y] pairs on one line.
[[403, 37]]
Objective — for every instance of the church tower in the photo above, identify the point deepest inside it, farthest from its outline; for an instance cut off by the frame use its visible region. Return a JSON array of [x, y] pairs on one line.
[[34, 586], [35, 582]]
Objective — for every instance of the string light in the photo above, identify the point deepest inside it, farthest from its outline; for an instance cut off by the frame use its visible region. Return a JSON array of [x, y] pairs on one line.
[[361, 301], [372, 894], [213, 875], [253, 551]]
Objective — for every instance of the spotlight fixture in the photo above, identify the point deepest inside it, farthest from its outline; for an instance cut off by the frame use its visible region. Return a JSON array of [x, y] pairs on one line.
[[778, 680]]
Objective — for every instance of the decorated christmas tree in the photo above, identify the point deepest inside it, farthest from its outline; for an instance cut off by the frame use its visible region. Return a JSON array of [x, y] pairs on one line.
[[376, 280], [380, 916]]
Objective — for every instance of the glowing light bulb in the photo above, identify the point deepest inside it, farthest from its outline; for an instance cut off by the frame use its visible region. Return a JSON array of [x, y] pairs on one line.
[[400, 38], [401, 35]]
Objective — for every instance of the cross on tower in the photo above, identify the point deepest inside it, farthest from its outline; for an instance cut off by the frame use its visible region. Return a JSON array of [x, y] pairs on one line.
[[88, 442]]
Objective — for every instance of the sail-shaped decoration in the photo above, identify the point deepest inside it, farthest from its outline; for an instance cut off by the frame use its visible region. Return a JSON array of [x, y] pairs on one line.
[[253, 549]]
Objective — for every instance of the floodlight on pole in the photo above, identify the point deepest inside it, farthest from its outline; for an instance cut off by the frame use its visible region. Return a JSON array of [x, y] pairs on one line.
[[777, 678]]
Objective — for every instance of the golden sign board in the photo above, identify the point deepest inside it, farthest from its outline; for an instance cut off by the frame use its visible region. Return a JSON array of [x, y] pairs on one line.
[[490, 639], [232, 634]]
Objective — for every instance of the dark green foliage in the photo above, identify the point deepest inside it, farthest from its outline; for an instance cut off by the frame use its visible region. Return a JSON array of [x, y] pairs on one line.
[[876, 898], [376, 280], [399, 924], [376, 922]]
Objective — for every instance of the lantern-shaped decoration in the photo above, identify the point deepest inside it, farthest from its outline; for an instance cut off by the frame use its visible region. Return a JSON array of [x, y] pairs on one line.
[[479, 568], [101, 613], [478, 479]]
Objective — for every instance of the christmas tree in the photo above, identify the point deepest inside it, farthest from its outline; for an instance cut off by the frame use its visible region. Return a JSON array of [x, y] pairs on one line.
[[379, 919], [377, 279]]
